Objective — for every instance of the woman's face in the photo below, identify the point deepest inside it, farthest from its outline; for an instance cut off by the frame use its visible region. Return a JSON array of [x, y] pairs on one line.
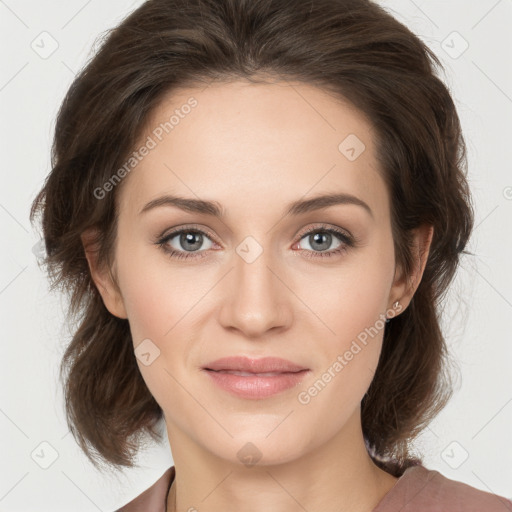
[[251, 282]]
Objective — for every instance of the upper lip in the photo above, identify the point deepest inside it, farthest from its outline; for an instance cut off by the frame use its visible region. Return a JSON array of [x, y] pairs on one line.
[[247, 364]]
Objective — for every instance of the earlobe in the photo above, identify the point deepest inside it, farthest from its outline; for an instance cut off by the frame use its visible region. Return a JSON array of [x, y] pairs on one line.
[[102, 276]]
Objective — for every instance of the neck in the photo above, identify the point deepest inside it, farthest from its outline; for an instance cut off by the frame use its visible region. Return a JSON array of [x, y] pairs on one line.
[[337, 476]]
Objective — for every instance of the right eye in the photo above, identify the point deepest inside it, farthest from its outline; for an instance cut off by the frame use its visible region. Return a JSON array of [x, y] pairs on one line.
[[184, 242]]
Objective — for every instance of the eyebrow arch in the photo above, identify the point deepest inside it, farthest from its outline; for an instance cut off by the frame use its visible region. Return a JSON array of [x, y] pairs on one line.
[[296, 208]]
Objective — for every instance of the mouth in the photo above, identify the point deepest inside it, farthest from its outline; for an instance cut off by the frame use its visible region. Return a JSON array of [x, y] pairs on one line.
[[255, 378]]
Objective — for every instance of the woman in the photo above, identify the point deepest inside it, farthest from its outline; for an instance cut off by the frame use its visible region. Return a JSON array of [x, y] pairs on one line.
[[257, 207]]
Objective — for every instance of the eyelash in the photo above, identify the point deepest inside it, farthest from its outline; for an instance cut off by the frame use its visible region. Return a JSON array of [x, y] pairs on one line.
[[347, 242]]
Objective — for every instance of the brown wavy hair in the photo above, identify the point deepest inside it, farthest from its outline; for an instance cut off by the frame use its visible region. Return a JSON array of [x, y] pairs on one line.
[[354, 49]]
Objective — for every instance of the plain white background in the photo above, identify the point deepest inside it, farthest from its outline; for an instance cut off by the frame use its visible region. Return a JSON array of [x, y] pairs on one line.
[[44, 45]]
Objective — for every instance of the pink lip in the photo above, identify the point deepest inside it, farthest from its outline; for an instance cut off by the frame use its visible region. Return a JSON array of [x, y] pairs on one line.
[[257, 386]]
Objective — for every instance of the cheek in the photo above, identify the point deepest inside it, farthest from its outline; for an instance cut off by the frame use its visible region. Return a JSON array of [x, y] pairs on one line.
[[149, 309], [349, 360], [156, 304], [151, 300], [351, 297]]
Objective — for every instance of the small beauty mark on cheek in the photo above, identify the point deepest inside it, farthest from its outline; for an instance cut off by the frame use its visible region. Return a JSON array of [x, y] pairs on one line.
[[146, 352]]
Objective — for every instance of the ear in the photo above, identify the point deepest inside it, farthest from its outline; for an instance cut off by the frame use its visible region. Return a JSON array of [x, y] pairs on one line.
[[404, 287], [102, 277]]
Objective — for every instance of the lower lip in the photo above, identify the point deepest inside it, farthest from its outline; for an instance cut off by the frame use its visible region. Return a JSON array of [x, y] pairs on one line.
[[256, 387]]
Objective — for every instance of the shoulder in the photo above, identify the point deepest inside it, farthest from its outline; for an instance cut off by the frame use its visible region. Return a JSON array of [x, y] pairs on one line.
[[152, 499], [424, 490]]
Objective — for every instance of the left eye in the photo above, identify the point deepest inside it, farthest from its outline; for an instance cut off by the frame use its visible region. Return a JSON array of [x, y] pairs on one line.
[[321, 239]]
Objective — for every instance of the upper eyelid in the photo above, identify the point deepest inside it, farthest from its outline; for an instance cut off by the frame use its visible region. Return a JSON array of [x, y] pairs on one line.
[[173, 232], [326, 227]]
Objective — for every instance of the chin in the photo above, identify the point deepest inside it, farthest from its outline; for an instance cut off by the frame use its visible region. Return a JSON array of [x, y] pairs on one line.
[[255, 447]]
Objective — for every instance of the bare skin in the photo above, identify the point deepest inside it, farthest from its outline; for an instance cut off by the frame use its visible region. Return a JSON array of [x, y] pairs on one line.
[[255, 148]]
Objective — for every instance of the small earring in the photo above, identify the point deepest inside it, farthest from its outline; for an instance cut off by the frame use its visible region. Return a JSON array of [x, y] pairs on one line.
[[395, 305]]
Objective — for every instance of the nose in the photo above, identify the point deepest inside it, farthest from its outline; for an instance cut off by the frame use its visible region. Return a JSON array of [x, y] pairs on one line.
[[256, 297]]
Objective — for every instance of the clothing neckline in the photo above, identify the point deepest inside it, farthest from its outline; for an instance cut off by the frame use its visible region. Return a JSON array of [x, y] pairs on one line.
[[171, 490]]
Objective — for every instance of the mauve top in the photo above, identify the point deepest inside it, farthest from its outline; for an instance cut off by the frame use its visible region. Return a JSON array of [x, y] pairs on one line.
[[417, 490]]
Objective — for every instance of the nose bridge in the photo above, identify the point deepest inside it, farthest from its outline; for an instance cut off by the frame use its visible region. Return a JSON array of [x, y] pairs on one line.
[[257, 299]]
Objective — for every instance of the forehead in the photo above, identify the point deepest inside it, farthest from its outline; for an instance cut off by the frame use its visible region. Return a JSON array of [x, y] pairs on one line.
[[245, 145]]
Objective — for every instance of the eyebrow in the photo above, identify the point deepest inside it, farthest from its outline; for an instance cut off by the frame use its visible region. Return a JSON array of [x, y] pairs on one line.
[[295, 208]]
